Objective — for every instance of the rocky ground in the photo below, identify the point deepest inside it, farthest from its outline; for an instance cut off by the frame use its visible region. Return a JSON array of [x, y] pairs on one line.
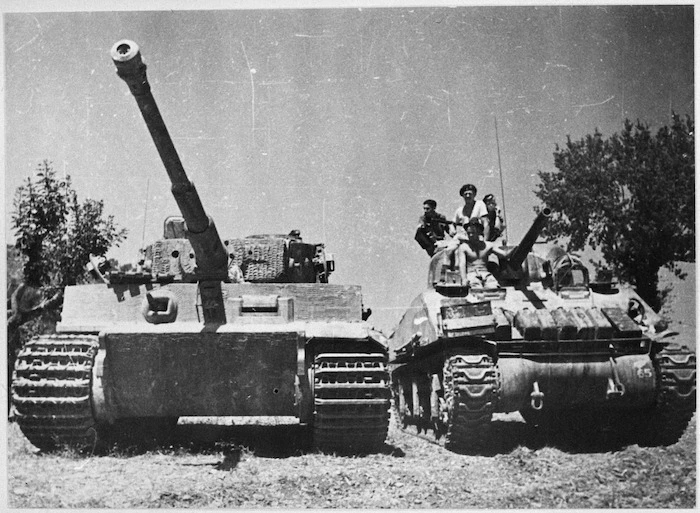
[[214, 466]]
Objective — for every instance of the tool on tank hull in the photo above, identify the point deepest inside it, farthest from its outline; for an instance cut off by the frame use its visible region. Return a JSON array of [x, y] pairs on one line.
[[242, 327], [567, 353]]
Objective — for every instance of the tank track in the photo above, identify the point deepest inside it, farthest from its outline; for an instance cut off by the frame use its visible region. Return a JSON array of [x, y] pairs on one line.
[[51, 388], [675, 401], [470, 389], [351, 402]]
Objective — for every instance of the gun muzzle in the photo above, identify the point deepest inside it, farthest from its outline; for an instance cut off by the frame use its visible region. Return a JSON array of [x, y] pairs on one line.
[[130, 66], [517, 256]]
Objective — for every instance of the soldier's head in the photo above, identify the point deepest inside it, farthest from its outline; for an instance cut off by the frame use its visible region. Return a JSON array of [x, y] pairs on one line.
[[474, 228], [490, 201], [468, 192], [429, 206]]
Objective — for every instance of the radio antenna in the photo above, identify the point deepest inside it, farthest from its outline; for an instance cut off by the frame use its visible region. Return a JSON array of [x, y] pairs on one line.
[[145, 213], [500, 176]]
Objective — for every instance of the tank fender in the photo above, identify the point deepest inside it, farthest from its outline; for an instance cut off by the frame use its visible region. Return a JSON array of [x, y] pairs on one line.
[[417, 324], [636, 308], [378, 338]]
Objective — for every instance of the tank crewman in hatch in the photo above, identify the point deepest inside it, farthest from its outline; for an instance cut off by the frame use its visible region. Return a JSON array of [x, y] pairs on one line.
[[432, 227], [472, 208], [472, 256], [496, 225]]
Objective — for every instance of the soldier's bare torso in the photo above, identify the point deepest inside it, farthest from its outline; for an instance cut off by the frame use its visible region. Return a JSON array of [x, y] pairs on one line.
[[477, 253]]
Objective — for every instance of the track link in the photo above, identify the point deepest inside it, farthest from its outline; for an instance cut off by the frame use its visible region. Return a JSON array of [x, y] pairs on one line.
[[470, 388], [51, 391], [351, 402], [675, 401]]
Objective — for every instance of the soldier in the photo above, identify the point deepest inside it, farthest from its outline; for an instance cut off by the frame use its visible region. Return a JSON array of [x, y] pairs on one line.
[[432, 227], [472, 257], [495, 220], [472, 208], [235, 274]]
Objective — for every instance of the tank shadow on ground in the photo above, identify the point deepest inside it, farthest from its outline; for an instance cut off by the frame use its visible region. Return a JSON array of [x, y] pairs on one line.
[[272, 441], [508, 435]]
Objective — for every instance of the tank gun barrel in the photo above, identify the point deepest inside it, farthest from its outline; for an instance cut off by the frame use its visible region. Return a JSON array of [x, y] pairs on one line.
[[212, 260], [519, 253]]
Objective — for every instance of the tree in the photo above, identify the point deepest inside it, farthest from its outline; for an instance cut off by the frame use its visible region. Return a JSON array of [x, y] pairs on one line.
[[55, 236], [56, 233], [632, 196]]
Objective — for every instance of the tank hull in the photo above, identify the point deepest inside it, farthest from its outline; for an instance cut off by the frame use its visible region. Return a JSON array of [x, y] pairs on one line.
[[295, 353], [567, 365]]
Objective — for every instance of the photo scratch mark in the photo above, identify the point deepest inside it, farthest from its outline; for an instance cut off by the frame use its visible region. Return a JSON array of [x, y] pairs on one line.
[[314, 35], [579, 108], [251, 71], [369, 54], [548, 65], [449, 118], [474, 127], [428, 155], [38, 25]]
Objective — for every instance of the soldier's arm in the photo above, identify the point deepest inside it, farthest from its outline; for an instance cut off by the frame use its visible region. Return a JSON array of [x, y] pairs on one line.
[[498, 251], [452, 229], [487, 227]]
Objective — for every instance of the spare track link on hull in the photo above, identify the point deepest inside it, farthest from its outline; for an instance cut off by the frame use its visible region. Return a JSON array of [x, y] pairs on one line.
[[351, 401], [470, 386], [675, 402], [51, 391]]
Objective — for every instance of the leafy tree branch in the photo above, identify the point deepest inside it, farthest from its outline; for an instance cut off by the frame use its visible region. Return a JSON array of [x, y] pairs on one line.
[[631, 195]]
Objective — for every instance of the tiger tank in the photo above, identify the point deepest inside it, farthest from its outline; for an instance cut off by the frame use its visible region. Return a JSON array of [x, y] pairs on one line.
[[582, 361], [205, 327]]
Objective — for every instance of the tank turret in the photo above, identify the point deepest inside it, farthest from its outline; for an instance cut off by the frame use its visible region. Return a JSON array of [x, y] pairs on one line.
[[444, 275]]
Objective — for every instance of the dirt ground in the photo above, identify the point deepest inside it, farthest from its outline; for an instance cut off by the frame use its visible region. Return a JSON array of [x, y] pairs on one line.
[[215, 466]]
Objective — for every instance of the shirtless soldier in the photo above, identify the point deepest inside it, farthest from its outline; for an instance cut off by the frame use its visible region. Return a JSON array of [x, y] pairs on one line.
[[472, 257]]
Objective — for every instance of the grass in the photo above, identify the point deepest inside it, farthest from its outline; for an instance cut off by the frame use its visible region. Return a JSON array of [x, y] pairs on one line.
[[240, 471]]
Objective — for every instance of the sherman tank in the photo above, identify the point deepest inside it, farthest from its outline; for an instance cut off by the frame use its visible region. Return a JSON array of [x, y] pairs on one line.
[[206, 327], [580, 360]]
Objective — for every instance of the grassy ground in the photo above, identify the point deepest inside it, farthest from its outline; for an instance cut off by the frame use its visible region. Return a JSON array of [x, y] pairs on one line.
[[268, 466]]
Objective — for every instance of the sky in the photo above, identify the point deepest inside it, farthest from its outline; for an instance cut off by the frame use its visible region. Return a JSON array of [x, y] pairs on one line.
[[335, 122]]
